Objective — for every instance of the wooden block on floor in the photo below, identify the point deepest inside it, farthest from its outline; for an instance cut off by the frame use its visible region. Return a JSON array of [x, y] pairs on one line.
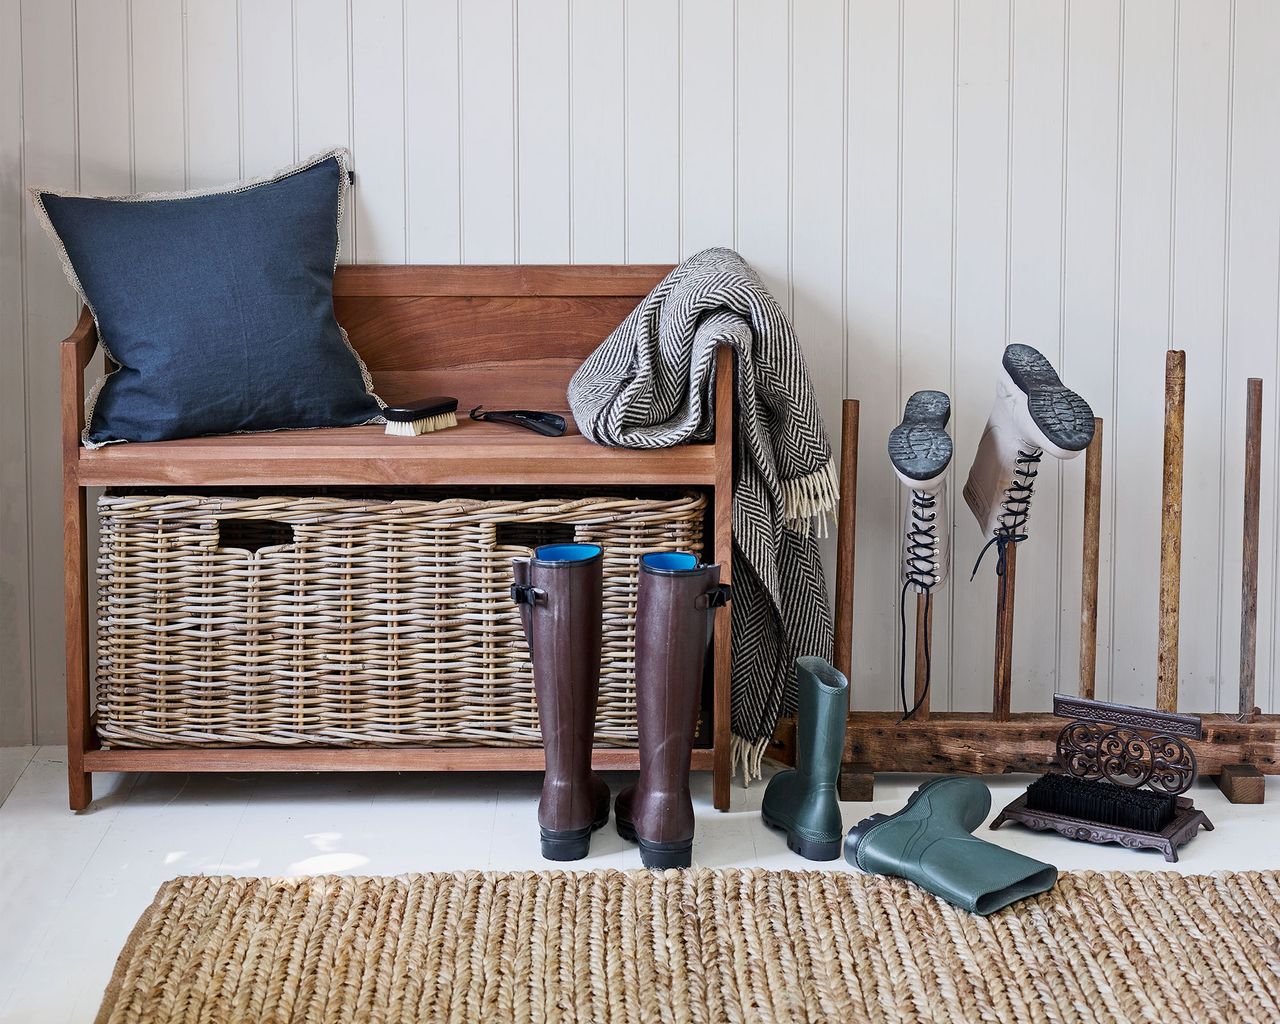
[[1242, 784], [857, 783]]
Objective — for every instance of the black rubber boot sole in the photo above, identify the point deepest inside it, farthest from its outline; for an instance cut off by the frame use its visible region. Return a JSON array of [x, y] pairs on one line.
[[569, 843], [919, 446], [657, 855], [666, 855], [860, 831], [1064, 416], [807, 848]]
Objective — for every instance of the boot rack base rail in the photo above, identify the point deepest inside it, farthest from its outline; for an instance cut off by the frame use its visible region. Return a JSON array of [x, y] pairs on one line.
[[1237, 750], [973, 742], [500, 336]]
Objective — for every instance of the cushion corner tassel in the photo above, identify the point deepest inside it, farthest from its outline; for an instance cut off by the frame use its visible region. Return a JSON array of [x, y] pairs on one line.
[[651, 384]]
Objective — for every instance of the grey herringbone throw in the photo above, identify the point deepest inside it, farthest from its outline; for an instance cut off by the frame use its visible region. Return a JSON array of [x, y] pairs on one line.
[[651, 384]]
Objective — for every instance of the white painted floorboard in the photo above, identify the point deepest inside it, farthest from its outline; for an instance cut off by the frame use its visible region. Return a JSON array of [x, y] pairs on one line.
[[13, 762], [71, 886]]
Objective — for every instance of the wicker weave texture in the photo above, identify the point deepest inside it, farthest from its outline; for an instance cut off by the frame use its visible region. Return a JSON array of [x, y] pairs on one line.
[[703, 947], [232, 621]]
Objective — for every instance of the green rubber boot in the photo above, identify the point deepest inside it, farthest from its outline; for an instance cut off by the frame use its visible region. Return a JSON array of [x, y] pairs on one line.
[[802, 801], [928, 842]]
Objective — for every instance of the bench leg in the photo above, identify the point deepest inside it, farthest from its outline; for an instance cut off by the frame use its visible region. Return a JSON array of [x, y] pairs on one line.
[[723, 540], [720, 720], [76, 598]]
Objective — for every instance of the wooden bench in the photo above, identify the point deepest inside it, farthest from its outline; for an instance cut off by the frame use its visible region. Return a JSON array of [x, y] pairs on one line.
[[501, 336]]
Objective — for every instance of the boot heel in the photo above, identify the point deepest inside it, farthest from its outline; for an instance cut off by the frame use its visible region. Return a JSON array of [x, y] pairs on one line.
[[811, 850], [666, 855], [859, 831], [566, 844], [856, 834]]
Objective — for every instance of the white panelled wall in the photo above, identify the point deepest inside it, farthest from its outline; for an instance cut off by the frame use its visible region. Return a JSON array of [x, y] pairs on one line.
[[920, 181]]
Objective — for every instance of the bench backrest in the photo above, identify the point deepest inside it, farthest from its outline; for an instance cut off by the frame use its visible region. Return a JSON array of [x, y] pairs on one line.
[[502, 336]]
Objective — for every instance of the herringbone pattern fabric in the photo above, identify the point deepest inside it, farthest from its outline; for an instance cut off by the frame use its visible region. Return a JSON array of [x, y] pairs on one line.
[[699, 947], [651, 384]]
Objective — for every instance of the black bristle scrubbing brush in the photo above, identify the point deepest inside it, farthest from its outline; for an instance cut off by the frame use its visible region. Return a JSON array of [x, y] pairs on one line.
[[1102, 802], [422, 417]]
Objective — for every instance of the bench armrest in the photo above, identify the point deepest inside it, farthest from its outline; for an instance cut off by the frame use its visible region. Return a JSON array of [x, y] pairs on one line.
[[76, 350], [725, 393], [83, 340]]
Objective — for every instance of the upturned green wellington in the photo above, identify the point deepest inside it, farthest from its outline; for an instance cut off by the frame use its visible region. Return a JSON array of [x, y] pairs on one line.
[[802, 801], [928, 842]]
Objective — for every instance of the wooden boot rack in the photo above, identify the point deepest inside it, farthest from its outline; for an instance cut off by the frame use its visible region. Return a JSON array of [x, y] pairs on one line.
[[1237, 749]]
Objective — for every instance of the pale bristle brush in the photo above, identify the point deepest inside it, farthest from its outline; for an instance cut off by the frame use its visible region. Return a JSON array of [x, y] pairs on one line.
[[437, 413]]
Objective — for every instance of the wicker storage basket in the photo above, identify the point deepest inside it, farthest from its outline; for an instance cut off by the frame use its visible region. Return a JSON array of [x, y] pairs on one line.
[[249, 621]]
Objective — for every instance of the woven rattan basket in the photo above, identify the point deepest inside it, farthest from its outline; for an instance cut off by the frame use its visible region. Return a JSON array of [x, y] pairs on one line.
[[250, 621]]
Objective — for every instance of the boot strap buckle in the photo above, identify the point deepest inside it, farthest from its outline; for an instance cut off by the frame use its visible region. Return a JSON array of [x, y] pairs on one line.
[[717, 598], [523, 593]]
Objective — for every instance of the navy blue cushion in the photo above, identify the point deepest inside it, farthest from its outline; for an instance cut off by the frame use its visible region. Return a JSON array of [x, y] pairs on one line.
[[216, 306]]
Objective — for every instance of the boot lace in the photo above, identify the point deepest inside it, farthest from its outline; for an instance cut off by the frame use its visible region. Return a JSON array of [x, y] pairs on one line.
[[921, 561], [920, 570], [1015, 509]]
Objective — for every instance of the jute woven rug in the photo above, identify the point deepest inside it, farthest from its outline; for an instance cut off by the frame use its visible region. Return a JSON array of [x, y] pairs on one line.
[[698, 946]]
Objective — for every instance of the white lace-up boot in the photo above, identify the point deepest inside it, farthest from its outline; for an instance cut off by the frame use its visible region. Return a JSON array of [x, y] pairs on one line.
[[1033, 414], [920, 450]]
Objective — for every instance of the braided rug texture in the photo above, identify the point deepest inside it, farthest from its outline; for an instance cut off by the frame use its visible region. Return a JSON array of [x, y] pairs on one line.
[[702, 945]]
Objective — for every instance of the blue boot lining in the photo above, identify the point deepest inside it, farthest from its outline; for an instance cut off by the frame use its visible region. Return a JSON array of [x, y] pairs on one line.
[[567, 552]]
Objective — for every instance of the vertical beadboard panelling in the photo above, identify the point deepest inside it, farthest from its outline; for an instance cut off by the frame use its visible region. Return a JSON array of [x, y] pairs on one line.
[[928, 92], [917, 181], [1035, 317], [488, 121], [267, 69], [102, 96], [981, 211], [16, 691], [546, 182], [1146, 183], [763, 169], [432, 143], [653, 130], [213, 84], [102, 105], [872, 318], [49, 160], [817, 207], [324, 88], [817, 194], [598, 71], [1253, 342], [378, 142], [1089, 301], [706, 124], [157, 82], [1214, 461]]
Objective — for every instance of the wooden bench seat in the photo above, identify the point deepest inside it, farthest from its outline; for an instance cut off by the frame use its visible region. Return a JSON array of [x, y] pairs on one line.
[[471, 453], [503, 337]]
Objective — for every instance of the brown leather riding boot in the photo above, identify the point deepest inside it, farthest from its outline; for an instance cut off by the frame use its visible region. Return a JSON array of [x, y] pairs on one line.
[[559, 594], [674, 609]]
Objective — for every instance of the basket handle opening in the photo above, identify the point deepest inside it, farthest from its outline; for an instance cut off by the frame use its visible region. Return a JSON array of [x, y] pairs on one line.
[[533, 535], [252, 535]]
